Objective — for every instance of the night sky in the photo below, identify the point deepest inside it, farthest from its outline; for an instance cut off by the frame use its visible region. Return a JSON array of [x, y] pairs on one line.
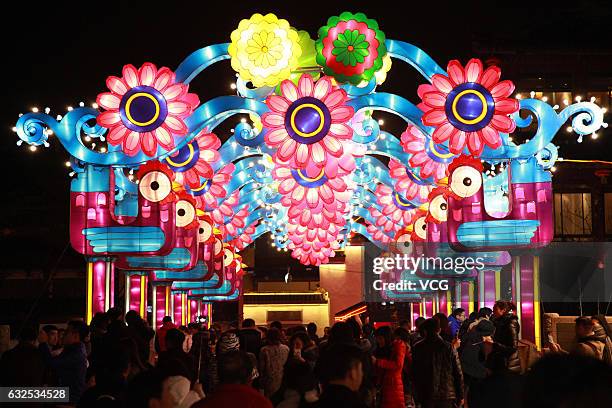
[[59, 55]]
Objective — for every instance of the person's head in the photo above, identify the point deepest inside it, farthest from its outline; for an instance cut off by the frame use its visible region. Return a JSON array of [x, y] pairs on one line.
[[114, 364], [341, 333], [114, 313], [418, 322], [326, 330], [442, 320], [355, 327], [459, 314], [342, 365], [276, 324], [228, 341], [193, 328], [174, 339], [311, 328], [405, 324], [299, 341], [402, 334], [298, 376], [502, 307], [52, 334], [132, 318], [27, 335], [99, 322], [76, 332], [584, 326], [235, 367], [167, 321], [430, 328], [383, 336], [273, 337], [484, 313], [248, 323], [485, 328]]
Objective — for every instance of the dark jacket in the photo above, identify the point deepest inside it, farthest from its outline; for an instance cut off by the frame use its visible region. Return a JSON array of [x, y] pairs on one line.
[[437, 371], [505, 350], [177, 362], [335, 396], [70, 366], [23, 366], [250, 340]]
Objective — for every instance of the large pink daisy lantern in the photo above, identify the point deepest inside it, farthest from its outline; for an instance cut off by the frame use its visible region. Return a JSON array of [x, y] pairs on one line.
[[145, 108]]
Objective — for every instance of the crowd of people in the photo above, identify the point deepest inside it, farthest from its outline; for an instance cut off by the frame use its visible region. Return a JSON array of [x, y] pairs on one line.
[[471, 361]]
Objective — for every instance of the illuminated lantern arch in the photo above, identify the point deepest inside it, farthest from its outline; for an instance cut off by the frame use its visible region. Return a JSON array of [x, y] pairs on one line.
[[311, 166]]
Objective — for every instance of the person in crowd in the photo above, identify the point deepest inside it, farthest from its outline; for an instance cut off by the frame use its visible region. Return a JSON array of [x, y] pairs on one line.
[[140, 332], [437, 376], [278, 325], [300, 387], [341, 373], [416, 334], [558, 380], [341, 334], [445, 331], [188, 339], [362, 342], [587, 343], [70, 365], [110, 381], [272, 358], [52, 338], [484, 313], [204, 357], [389, 368], [24, 365], [155, 388], [161, 333], [455, 320], [311, 329], [505, 340], [473, 354], [249, 337], [303, 349], [603, 332], [234, 390], [176, 356], [326, 330], [404, 335]]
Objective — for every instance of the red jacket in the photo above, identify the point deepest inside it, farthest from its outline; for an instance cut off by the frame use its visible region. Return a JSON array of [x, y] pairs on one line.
[[234, 395], [161, 335], [390, 372]]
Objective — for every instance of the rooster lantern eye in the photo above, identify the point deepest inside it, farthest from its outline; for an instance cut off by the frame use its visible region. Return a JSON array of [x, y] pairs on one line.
[[218, 247], [402, 244], [185, 213], [420, 228], [204, 231], [155, 186], [438, 207], [465, 181], [228, 257]]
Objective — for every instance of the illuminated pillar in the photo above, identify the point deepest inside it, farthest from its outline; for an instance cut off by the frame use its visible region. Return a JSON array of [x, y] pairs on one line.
[[100, 286], [179, 308], [526, 294], [464, 296], [136, 292], [444, 304], [161, 303], [488, 287]]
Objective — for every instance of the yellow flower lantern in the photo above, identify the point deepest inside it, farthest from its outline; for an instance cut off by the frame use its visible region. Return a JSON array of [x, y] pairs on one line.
[[264, 50]]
